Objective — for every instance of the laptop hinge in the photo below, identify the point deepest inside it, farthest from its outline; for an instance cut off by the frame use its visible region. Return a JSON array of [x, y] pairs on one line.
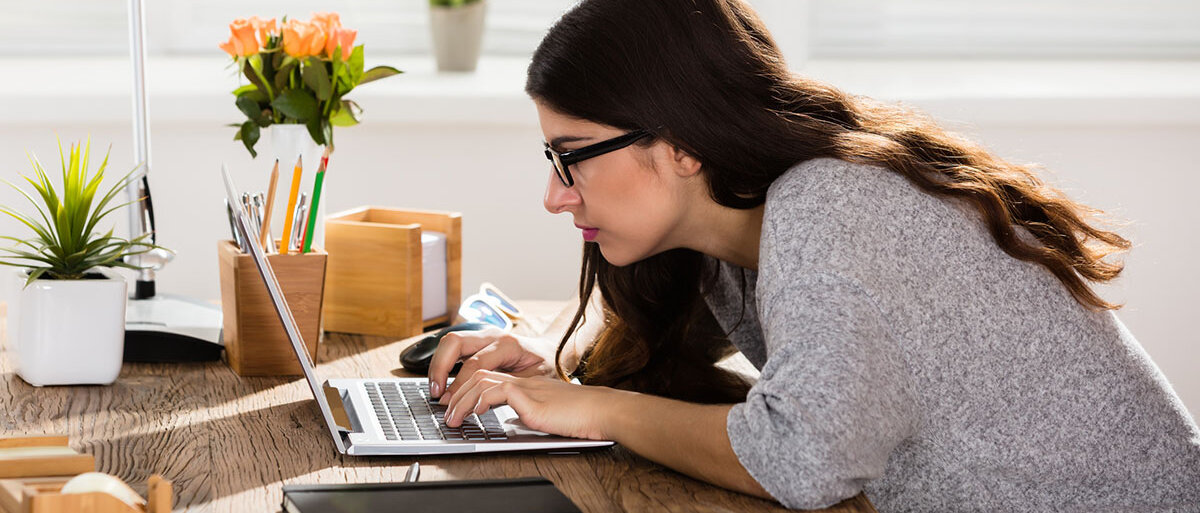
[[333, 396]]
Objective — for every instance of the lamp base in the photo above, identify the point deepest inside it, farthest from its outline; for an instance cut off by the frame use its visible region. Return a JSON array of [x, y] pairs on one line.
[[167, 328]]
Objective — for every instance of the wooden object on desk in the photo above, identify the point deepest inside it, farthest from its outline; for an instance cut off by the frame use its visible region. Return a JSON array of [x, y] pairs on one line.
[[41, 495], [375, 273], [255, 341], [65, 461]]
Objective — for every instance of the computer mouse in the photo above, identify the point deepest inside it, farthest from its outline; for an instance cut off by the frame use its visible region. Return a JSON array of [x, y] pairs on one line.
[[416, 358]]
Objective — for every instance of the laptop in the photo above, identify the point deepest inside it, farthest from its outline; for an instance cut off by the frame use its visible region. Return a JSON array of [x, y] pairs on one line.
[[372, 417]]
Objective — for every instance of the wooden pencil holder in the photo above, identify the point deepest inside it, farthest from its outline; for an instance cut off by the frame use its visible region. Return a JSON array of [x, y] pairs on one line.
[[375, 272], [255, 341]]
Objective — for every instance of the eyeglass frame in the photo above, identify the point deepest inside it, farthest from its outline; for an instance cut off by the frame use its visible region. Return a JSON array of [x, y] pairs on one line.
[[564, 160]]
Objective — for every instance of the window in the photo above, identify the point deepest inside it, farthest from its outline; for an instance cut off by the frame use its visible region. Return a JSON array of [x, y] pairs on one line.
[[813, 28], [188, 27]]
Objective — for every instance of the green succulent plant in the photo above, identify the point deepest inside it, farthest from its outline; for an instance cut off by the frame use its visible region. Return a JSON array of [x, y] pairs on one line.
[[67, 244]]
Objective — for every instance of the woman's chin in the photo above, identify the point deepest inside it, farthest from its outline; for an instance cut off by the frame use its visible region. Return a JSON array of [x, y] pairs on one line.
[[618, 258]]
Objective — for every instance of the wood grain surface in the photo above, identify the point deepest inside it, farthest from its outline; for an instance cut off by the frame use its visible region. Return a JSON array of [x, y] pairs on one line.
[[229, 443]]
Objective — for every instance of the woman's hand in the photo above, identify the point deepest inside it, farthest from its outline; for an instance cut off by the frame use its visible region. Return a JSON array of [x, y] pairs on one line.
[[545, 404], [490, 349]]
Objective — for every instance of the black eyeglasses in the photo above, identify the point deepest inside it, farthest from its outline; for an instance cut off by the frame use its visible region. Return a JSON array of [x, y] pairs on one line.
[[563, 161]]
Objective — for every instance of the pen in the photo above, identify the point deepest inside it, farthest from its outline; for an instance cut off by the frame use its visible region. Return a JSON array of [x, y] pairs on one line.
[[265, 234], [414, 471], [316, 200], [287, 222], [257, 199], [296, 233], [237, 238], [248, 210]]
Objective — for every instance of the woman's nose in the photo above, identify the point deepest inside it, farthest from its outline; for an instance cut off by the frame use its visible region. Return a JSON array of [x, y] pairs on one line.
[[558, 196]]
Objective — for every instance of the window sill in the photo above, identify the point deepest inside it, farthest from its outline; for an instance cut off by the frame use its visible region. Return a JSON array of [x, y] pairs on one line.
[[196, 90]]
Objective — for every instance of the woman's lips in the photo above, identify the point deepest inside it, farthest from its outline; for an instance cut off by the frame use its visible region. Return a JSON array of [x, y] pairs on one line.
[[589, 233]]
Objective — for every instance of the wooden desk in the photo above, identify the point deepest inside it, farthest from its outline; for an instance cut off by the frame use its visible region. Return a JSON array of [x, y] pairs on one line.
[[229, 444]]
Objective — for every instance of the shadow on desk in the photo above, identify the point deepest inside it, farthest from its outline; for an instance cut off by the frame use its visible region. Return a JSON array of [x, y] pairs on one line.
[[229, 444]]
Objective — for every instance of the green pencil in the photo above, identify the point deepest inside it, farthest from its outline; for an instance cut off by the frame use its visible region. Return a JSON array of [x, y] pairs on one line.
[[316, 198]]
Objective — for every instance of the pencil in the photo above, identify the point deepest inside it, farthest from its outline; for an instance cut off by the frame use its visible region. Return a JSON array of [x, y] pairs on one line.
[[265, 235], [316, 198], [287, 221]]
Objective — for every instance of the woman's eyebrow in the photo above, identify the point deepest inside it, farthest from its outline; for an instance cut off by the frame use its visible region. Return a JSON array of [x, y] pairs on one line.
[[557, 142]]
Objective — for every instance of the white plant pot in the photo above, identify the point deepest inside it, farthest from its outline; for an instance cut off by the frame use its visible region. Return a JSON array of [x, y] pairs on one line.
[[287, 143], [457, 35], [68, 332]]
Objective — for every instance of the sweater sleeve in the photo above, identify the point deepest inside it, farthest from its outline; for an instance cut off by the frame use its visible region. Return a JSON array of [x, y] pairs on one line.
[[833, 400]]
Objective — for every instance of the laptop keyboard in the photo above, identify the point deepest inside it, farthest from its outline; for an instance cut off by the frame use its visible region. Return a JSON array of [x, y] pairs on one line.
[[406, 412]]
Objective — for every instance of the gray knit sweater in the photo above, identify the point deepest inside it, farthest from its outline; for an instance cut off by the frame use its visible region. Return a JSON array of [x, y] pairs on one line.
[[905, 355]]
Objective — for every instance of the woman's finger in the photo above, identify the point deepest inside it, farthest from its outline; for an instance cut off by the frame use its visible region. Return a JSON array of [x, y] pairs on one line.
[[489, 358], [452, 348], [464, 400], [495, 396]]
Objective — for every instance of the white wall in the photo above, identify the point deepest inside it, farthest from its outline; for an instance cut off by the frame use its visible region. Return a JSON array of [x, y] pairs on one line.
[[472, 145]]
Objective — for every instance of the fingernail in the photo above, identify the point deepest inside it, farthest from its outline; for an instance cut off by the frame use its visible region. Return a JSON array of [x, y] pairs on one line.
[[435, 389], [444, 400]]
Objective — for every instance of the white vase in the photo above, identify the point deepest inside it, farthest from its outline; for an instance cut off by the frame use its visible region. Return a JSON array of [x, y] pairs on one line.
[[457, 35], [287, 143], [68, 332]]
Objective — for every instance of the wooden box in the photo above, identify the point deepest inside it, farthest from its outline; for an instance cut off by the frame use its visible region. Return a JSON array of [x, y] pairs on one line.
[[41, 495], [255, 342], [375, 272]]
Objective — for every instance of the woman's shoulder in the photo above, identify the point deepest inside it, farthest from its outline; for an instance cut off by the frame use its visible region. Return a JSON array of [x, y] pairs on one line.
[[819, 180]]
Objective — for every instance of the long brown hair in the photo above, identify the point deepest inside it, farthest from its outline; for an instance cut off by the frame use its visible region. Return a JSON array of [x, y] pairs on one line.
[[710, 75]]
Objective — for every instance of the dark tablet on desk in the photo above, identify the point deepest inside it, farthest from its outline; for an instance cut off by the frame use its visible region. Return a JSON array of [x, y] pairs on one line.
[[525, 495]]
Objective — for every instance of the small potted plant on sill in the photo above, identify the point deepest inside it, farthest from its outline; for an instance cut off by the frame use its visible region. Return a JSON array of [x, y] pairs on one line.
[[457, 29], [67, 318]]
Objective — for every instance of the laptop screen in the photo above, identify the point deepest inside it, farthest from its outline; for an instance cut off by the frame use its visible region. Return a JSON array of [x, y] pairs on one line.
[[251, 238]]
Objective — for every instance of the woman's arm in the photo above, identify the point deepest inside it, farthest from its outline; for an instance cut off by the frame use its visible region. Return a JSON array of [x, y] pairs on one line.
[[690, 438], [585, 334]]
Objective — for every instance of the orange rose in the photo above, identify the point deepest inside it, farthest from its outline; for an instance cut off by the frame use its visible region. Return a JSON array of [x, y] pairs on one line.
[[340, 38], [302, 39], [265, 29], [242, 42], [328, 21]]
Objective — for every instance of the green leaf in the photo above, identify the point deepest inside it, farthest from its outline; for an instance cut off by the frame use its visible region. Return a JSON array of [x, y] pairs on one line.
[[283, 75], [297, 104], [316, 77], [252, 76], [315, 129], [345, 115], [245, 89], [249, 136], [35, 274], [355, 65], [377, 73], [252, 110]]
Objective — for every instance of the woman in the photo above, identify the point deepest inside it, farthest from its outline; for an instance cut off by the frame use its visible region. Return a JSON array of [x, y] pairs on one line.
[[921, 311]]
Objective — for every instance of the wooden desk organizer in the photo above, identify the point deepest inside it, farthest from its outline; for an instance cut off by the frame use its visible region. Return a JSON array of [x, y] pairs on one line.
[[255, 342], [54, 465], [374, 278], [31, 484], [40, 495]]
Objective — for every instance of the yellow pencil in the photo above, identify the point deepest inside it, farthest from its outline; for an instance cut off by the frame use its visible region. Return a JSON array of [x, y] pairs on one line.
[[265, 235], [287, 221]]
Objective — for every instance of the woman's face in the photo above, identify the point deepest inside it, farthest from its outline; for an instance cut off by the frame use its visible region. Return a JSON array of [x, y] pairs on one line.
[[629, 201]]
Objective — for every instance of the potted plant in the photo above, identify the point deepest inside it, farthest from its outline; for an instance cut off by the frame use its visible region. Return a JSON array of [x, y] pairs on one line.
[[67, 318], [457, 28], [299, 73]]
